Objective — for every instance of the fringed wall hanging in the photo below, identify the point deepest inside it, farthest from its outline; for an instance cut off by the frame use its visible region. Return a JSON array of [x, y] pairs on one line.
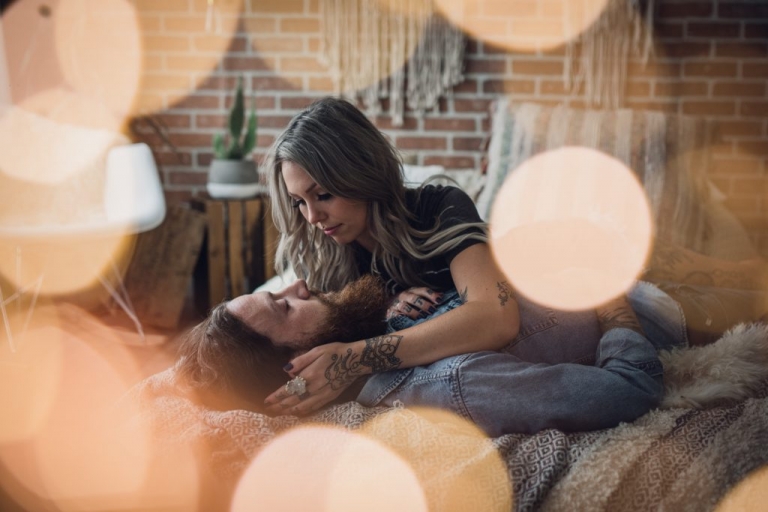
[[401, 51], [623, 29]]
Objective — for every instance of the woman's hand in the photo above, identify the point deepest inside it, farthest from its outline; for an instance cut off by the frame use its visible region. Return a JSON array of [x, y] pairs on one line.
[[327, 371], [414, 303]]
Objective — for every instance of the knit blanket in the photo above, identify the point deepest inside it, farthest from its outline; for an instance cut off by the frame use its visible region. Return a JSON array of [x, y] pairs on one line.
[[670, 459]]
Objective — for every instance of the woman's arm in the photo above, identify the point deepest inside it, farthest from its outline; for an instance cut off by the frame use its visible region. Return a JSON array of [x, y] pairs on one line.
[[488, 320]]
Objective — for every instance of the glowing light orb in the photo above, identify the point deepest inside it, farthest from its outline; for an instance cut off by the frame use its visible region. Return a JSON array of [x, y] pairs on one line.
[[571, 228], [751, 494], [456, 463], [525, 25], [327, 469]]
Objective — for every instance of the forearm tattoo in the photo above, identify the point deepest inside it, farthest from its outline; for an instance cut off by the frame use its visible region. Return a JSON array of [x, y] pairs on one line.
[[618, 313], [343, 370], [379, 353], [505, 292]]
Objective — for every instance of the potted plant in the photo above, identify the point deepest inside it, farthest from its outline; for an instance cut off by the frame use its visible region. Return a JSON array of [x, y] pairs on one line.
[[232, 174]]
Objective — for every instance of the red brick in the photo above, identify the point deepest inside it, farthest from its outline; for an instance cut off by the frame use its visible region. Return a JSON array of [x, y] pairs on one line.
[[685, 10], [677, 89], [274, 121], [265, 141], [471, 105], [301, 64], [752, 147], [314, 44], [384, 122], [657, 69], [687, 49], [170, 157], [259, 24], [322, 84], [452, 162], [742, 10], [537, 67], [174, 120], [187, 178], [199, 102], [300, 25], [245, 64], [277, 6], [468, 143], [741, 89], [509, 86], [174, 197], [638, 89], [748, 186], [204, 159], [467, 86], [271, 83], [735, 166], [740, 128], [741, 50], [492, 66], [211, 121], [145, 6], [218, 83], [453, 125], [660, 106], [754, 70], [714, 29], [191, 140], [411, 142], [668, 30], [754, 109], [270, 45], [296, 102], [755, 30], [714, 69]]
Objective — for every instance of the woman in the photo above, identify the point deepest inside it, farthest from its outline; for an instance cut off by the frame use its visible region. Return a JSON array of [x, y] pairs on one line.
[[340, 205]]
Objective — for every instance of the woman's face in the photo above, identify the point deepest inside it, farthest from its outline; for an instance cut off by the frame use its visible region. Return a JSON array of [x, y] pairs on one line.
[[344, 220]]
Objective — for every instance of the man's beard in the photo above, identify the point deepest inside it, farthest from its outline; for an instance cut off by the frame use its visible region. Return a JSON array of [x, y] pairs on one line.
[[355, 313]]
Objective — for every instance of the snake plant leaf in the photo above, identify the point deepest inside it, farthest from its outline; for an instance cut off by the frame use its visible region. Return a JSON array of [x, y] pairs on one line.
[[218, 146], [237, 114], [250, 135]]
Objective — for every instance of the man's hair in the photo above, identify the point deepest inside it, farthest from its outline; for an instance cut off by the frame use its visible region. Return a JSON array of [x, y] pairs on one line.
[[223, 357]]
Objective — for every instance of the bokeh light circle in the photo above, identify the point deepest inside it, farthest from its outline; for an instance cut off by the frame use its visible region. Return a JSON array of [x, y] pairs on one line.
[[457, 464], [751, 494], [571, 228], [522, 25], [321, 468]]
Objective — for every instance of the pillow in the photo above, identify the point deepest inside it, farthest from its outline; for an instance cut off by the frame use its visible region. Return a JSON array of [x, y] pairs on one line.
[[664, 151]]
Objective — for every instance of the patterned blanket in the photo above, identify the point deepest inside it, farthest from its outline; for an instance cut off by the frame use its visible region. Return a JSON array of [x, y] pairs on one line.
[[677, 459]]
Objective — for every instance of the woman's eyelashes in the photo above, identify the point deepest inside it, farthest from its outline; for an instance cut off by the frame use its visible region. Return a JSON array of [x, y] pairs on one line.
[[320, 197]]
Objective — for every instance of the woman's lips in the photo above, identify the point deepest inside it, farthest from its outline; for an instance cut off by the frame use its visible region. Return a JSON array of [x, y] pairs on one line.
[[331, 231]]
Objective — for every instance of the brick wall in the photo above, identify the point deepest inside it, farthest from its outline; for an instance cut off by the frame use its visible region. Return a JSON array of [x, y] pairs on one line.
[[711, 60]]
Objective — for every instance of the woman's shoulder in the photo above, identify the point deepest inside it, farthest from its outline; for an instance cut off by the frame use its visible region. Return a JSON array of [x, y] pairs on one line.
[[436, 198]]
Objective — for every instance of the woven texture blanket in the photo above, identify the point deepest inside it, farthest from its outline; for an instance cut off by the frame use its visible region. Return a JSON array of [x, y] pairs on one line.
[[678, 459]]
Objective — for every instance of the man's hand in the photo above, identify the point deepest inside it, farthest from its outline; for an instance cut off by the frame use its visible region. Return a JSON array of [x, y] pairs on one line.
[[414, 303]]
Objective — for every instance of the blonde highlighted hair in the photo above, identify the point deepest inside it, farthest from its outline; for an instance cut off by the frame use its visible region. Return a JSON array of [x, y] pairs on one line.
[[344, 153]]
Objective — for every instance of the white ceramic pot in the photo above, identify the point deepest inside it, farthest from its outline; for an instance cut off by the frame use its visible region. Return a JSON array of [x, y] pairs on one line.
[[233, 179]]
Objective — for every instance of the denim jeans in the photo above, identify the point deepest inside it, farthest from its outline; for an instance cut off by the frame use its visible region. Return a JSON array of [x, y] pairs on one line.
[[541, 380]]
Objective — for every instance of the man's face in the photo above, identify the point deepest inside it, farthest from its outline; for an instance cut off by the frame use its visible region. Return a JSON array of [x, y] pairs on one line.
[[300, 319], [291, 317]]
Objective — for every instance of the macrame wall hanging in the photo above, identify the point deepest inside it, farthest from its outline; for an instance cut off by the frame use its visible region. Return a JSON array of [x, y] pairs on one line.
[[403, 52], [600, 64]]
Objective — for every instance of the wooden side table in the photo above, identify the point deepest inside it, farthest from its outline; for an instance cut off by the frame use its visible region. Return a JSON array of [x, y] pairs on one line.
[[239, 249]]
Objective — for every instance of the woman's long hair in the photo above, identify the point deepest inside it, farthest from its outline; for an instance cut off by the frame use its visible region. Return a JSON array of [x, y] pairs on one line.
[[349, 157]]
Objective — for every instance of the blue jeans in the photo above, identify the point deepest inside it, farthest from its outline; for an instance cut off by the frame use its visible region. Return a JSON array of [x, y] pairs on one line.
[[541, 380]]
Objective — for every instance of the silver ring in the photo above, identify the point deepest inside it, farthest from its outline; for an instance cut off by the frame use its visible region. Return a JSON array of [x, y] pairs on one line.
[[296, 386]]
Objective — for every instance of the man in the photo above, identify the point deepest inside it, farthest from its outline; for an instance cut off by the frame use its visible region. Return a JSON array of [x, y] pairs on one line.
[[236, 357]]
